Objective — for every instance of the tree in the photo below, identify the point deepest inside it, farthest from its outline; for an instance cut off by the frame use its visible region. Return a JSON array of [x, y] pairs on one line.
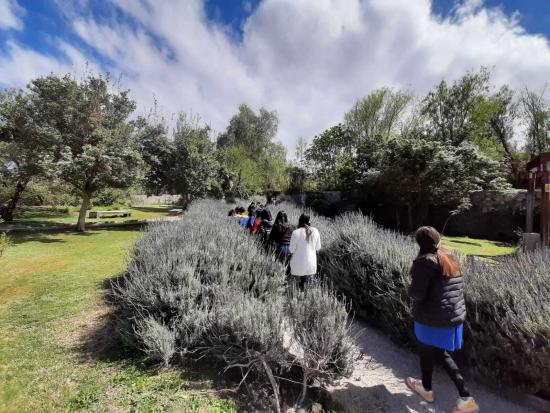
[[536, 113], [151, 137], [253, 159], [193, 167], [419, 170], [329, 155], [377, 115], [96, 149], [300, 152], [250, 130], [502, 122], [26, 146], [451, 110]]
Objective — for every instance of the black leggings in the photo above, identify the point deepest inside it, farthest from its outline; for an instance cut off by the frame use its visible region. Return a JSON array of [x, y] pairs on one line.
[[429, 356]]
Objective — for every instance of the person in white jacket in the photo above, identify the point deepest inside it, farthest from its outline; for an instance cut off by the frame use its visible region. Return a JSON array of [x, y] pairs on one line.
[[304, 244]]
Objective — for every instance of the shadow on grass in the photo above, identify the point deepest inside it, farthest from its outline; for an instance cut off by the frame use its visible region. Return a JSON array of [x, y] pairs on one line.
[[155, 209], [51, 237], [44, 237]]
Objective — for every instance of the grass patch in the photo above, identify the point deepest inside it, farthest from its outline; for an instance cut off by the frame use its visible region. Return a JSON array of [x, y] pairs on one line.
[[50, 310], [479, 247], [46, 216]]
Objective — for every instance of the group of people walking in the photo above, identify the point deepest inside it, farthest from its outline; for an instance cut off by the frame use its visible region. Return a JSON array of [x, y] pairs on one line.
[[436, 291], [295, 245]]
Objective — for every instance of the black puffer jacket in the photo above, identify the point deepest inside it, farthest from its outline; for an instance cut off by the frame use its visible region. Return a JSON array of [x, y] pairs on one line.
[[438, 301]]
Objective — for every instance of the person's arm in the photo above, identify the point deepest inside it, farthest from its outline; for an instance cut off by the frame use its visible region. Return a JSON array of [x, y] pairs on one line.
[[318, 244], [421, 273], [293, 240]]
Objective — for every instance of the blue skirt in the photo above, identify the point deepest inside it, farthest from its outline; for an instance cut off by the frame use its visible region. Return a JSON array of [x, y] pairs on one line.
[[446, 338]]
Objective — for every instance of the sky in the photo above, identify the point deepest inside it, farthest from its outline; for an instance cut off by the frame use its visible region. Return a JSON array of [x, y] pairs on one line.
[[309, 60]]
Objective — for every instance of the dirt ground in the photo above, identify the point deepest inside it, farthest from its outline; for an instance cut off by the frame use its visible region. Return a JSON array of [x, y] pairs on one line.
[[377, 384]]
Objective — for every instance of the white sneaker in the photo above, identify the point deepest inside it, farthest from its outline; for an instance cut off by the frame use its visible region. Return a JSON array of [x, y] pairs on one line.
[[466, 405], [417, 387]]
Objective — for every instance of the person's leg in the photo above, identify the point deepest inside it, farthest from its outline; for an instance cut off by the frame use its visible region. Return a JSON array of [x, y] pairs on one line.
[[302, 282], [453, 371], [427, 361]]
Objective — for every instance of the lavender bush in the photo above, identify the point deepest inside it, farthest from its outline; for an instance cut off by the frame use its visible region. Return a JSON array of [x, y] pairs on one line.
[[203, 287]]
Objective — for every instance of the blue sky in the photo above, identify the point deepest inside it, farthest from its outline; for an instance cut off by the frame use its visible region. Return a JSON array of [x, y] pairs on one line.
[[307, 59]]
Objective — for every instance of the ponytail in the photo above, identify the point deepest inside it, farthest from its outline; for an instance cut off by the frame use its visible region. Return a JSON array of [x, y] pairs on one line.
[[429, 241], [303, 222]]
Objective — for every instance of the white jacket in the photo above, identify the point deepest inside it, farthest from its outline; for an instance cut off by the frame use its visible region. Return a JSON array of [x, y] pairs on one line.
[[304, 253]]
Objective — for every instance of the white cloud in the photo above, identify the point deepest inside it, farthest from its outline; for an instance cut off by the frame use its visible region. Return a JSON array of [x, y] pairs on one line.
[[10, 15], [307, 59]]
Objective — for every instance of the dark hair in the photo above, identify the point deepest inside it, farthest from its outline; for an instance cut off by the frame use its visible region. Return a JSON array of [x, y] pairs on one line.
[[303, 222], [231, 213], [266, 214], [429, 241], [251, 210], [281, 218], [239, 210]]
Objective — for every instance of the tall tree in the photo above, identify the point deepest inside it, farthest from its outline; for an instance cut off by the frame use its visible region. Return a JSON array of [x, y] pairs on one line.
[[252, 157], [378, 115], [151, 137], [26, 146], [300, 152], [536, 114], [96, 149], [251, 130], [329, 154], [193, 167], [451, 110]]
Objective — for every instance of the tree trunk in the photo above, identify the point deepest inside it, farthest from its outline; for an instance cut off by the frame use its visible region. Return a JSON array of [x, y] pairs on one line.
[[81, 225], [7, 210]]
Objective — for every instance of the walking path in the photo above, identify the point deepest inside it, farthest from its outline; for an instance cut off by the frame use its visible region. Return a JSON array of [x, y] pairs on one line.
[[377, 384]]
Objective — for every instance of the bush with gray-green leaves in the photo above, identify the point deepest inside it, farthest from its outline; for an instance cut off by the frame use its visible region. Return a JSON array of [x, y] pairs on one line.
[[507, 337], [203, 287]]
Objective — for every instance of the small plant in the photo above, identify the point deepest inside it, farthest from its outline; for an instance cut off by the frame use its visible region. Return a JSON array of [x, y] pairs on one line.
[[5, 242]]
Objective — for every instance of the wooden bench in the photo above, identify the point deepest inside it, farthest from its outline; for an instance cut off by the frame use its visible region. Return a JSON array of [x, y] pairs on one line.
[[175, 212], [117, 213]]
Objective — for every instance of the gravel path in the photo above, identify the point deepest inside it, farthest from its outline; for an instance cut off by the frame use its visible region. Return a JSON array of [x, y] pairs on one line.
[[377, 384]]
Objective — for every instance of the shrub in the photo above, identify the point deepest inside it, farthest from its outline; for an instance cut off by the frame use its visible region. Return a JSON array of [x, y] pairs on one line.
[[5, 242], [507, 329], [204, 288]]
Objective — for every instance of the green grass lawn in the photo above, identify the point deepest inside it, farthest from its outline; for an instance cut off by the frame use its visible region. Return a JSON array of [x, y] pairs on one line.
[[479, 247], [38, 216], [57, 352]]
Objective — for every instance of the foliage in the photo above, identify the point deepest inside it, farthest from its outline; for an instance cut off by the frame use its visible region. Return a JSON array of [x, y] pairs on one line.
[[419, 172], [26, 146], [255, 162], [507, 337], [220, 296], [96, 150], [328, 156], [378, 115], [536, 116]]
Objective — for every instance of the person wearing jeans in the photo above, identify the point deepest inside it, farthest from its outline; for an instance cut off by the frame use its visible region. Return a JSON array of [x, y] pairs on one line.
[[304, 244], [439, 311]]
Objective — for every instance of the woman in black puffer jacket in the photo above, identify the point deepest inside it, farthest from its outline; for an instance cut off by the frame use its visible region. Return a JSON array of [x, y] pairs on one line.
[[439, 311]]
